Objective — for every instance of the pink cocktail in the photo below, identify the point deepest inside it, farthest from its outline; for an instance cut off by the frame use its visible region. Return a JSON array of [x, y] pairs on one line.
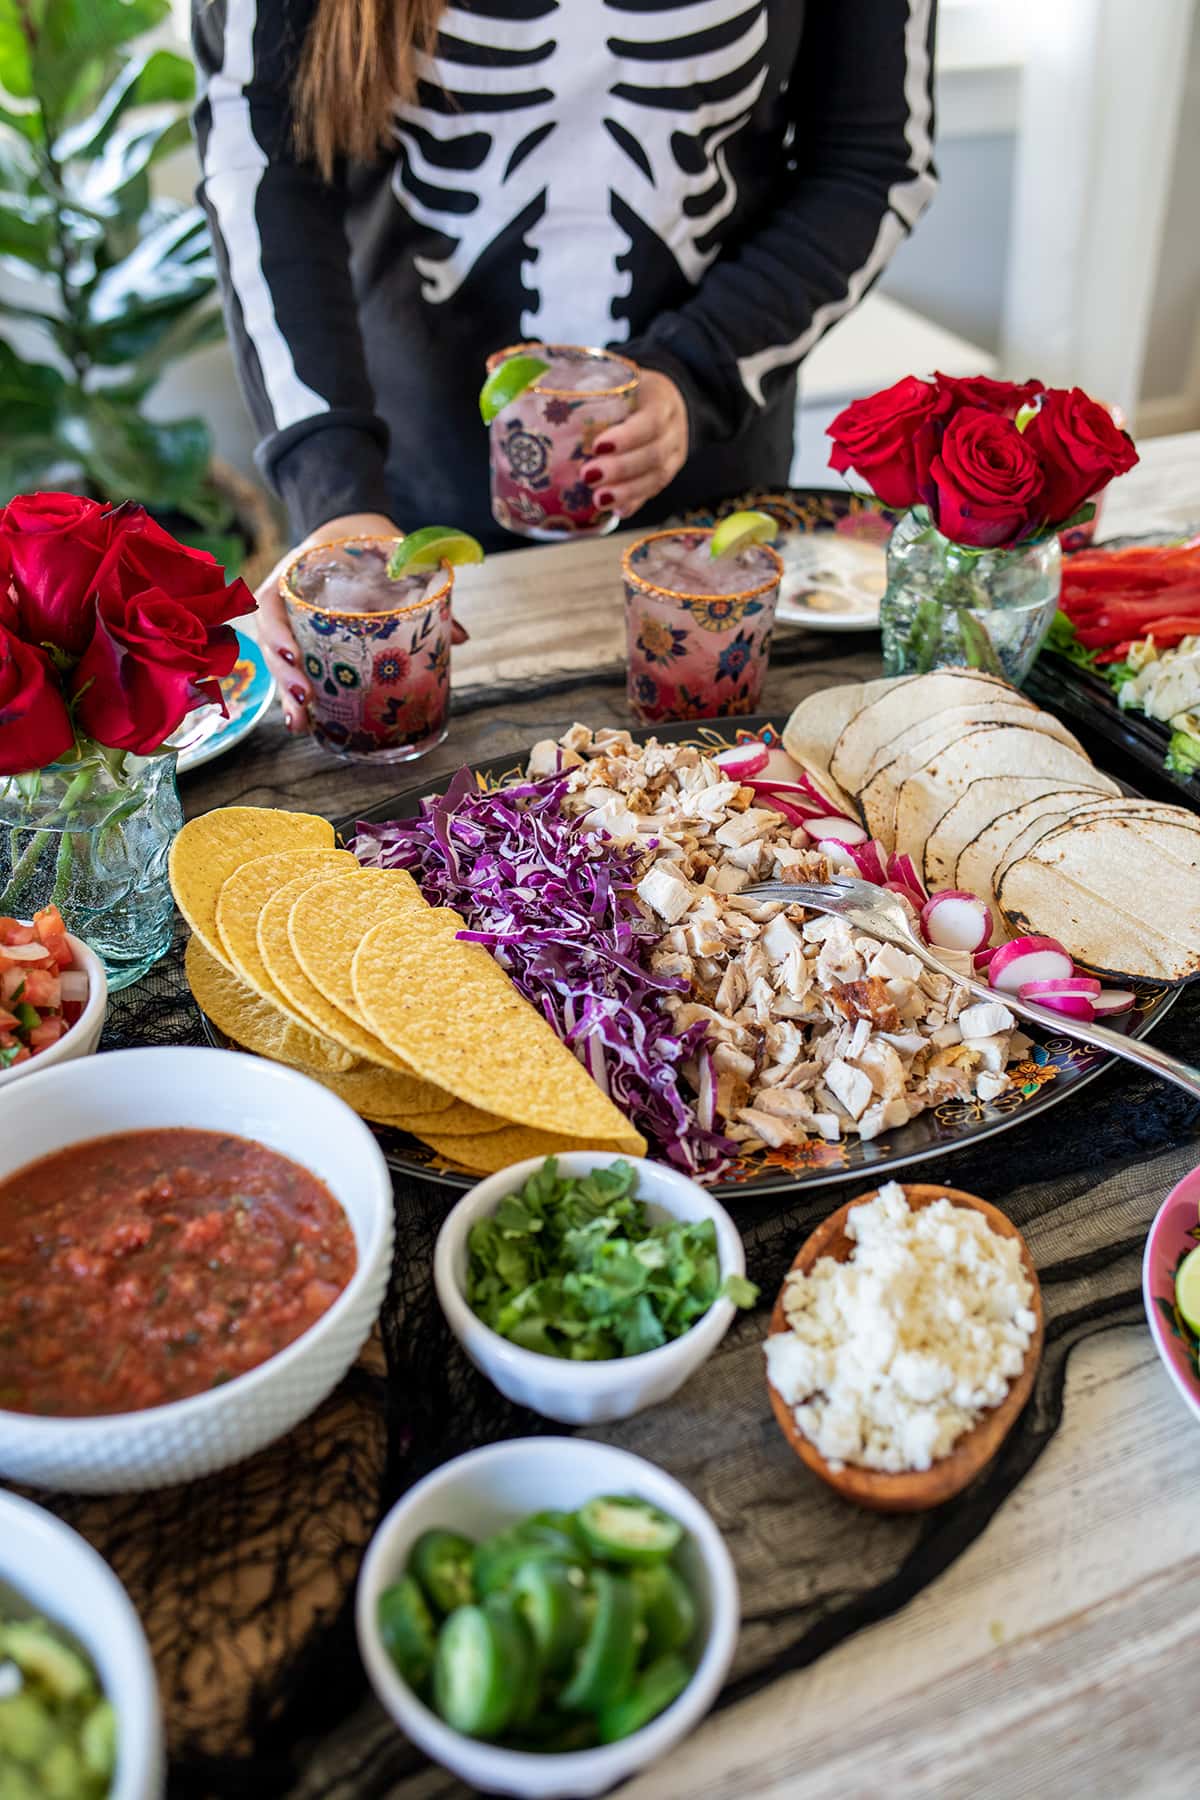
[[698, 626], [376, 651], [541, 442]]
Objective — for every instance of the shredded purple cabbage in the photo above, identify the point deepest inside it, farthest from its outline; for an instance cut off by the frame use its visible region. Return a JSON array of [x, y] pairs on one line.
[[555, 904]]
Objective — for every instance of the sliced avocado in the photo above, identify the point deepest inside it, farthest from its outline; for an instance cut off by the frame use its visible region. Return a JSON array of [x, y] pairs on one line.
[[27, 1730], [43, 1657], [62, 1774], [98, 1740]]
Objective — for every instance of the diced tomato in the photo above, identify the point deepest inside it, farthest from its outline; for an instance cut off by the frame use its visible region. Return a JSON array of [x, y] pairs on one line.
[[13, 932], [72, 1011], [8, 1021], [47, 1032], [43, 989], [53, 934]]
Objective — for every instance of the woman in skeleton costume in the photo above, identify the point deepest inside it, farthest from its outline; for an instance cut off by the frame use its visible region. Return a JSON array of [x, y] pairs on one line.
[[398, 187]]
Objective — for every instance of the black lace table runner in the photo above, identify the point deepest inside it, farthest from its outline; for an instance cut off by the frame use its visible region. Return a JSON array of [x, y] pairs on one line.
[[245, 1580]]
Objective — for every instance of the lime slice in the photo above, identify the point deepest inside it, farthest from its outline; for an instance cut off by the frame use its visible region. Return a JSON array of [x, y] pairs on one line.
[[506, 381], [1187, 1290], [740, 530], [430, 547]]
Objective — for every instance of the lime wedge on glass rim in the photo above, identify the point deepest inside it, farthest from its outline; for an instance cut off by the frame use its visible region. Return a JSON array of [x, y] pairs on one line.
[[506, 381], [430, 547], [1187, 1290], [740, 530]]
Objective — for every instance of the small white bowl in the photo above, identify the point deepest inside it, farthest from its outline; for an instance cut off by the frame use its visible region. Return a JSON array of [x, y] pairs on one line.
[[84, 1035], [211, 1090], [57, 1574], [490, 1489], [585, 1393]]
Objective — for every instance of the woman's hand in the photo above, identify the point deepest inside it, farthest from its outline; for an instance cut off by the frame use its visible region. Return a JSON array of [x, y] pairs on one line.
[[636, 459], [275, 634]]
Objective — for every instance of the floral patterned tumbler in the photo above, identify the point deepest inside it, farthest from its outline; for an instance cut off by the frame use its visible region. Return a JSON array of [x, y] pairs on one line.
[[377, 651], [698, 626], [541, 442]]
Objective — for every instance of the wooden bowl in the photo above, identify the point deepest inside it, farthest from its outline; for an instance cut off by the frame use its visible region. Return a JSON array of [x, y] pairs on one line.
[[913, 1490]]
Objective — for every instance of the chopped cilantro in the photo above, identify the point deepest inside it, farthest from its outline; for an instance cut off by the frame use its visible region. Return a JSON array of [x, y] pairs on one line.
[[572, 1266]]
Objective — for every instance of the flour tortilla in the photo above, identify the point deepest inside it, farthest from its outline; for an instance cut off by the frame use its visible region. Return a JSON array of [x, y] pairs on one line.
[[939, 728], [984, 800], [1120, 892], [818, 722], [962, 755], [880, 720]]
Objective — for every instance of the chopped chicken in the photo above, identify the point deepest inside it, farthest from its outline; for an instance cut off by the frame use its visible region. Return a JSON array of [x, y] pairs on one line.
[[814, 1031]]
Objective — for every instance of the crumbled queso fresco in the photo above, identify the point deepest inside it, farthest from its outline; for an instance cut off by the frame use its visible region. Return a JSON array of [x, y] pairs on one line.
[[894, 1354]]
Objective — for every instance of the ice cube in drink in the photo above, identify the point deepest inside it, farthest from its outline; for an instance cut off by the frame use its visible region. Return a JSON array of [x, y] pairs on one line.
[[352, 578], [542, 441], [683, 563]]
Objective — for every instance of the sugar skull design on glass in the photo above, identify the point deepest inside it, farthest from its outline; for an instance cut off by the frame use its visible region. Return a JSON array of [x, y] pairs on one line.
[[376, 650], [540, 442], [698, 626]]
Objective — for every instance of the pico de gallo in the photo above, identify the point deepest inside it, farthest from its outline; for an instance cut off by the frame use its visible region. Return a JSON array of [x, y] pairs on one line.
[[152, 1265], [42, 989]]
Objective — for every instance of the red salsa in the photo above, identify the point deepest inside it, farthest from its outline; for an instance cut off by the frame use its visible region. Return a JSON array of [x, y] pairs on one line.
[[154, 1265]]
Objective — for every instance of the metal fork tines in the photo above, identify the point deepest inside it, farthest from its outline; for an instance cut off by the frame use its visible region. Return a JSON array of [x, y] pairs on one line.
[[883, 915]]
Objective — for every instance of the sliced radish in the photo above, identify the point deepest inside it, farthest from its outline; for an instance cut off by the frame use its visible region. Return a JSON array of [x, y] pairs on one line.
[[1111, 1001], [842, 831], [956, 920], [774, 802], [1029, 959], [869, 860], [902, 868], [839, 854], [1072, 1006], [983, 957], [780, 767], [1081, 987], [743, 760], [74, 986]]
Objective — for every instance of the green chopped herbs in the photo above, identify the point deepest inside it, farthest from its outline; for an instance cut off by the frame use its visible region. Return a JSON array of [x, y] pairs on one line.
[[572, 1266]]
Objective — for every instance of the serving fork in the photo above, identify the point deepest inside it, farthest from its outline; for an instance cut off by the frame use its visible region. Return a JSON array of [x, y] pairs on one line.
[[883, 915]]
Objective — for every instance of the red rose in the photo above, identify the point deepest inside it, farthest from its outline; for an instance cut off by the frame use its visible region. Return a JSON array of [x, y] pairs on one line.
[[986, 481], [34, 726], [883, 438], [150, 661], [56, 543], [1007, 397], [1079, 447]]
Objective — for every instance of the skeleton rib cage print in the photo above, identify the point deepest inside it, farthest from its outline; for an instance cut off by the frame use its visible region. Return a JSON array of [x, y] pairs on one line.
[[563, 124]]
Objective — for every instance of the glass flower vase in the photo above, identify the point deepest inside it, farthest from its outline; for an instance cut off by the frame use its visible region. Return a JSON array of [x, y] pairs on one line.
[[948, 605], [92, 836]]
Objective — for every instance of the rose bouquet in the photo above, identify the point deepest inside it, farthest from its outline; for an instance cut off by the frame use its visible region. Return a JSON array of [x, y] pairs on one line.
[[111, 632], [988, 473]]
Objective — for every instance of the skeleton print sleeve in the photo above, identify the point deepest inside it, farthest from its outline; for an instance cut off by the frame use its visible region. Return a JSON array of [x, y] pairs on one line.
[[284, 264], [858, 175]]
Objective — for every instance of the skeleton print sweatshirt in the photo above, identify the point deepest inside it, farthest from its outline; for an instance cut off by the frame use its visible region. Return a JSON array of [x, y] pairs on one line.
[[707, 185]]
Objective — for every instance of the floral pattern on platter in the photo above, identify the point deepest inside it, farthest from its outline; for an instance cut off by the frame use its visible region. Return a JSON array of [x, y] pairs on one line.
[[373, 703], [538, 443]]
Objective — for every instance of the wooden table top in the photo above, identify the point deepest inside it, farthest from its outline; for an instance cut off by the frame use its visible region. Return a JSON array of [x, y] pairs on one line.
[[1059, 1653]]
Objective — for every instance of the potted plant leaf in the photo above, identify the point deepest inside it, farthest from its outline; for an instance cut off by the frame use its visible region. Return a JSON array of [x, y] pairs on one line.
[[103, 283]]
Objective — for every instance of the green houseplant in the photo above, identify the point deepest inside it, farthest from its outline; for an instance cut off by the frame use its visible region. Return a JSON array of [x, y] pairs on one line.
[[103, 284]]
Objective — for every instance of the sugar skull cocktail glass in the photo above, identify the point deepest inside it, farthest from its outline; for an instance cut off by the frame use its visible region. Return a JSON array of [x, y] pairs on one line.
[[376, 651], [540, 442], [698, 626]]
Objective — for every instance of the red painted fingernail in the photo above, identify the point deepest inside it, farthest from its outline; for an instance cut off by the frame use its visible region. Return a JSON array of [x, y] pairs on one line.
[[604, 499], [298, 694], [592, 476], [605, 449], [287, 656]]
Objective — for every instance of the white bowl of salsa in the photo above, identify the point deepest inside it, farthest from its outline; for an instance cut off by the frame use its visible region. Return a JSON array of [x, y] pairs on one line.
[[197, 1244], [67, 997]]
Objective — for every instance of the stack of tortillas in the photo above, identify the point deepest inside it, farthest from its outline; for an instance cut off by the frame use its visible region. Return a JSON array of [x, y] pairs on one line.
[[990, 795], [346, 973]]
